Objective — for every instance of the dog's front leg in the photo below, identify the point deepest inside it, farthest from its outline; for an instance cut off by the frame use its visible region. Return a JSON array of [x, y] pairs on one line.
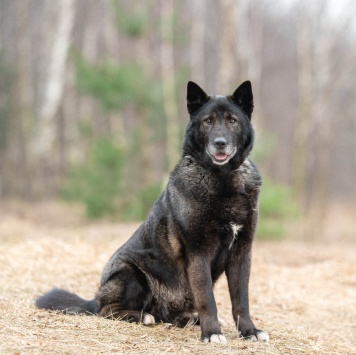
[[199, 275], [238, 275]]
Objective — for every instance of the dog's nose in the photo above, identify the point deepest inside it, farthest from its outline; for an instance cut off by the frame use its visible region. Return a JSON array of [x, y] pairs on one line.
[[220, 143]]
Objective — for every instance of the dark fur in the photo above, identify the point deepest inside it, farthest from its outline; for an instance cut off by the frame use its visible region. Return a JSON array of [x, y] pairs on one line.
[[170, 264]]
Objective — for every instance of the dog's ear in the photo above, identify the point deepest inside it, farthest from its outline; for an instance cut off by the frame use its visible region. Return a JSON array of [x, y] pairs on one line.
[[196, 97], [243, 97]]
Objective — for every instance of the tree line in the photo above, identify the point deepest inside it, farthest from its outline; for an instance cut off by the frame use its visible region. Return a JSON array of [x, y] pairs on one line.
[[84, 79]]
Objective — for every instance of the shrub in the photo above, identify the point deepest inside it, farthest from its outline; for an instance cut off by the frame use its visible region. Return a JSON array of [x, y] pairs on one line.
[[97, 182], [139, 203], [276, 208]]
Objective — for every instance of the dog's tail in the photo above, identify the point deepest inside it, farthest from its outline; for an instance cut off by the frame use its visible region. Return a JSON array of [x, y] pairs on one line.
[[67, 302]]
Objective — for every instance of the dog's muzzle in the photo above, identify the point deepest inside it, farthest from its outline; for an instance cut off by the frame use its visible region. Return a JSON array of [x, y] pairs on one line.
[[220, 151]]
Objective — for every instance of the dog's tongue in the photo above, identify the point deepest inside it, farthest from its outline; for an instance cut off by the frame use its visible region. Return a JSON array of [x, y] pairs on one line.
[[220, 156]]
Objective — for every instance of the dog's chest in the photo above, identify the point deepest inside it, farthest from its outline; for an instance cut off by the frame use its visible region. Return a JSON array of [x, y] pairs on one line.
[[223, 246], [231, 208], [213, 204], [222, 206], [235, 228], [227, 218]]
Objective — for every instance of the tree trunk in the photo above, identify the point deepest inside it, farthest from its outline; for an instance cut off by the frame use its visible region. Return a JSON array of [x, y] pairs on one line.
[[55, 76], [226, 69], [169, 82], [302, 125], [197, 41], [25, 100]]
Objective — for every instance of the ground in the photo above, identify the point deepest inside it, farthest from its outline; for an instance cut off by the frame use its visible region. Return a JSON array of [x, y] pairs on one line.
[[302, 294]]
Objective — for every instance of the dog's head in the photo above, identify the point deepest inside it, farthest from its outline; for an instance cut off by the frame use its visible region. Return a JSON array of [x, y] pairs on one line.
[[219, 133]]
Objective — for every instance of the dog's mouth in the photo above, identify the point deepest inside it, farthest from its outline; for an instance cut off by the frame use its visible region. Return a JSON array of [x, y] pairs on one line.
[[221, 158]]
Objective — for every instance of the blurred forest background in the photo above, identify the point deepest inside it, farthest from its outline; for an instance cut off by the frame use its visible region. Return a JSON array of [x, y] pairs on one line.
[[92, 99]]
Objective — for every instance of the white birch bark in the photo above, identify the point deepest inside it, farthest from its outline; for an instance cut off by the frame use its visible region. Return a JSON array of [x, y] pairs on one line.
[[56, 75]]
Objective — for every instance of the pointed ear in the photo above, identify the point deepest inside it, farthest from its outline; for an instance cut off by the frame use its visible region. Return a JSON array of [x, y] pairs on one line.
[[196, 97], [243, 97]]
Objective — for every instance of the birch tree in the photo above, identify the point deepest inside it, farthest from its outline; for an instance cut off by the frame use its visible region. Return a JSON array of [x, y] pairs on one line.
[[55, 82]]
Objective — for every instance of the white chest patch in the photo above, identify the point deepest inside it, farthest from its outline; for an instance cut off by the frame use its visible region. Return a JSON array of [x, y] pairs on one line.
[[235, 229]]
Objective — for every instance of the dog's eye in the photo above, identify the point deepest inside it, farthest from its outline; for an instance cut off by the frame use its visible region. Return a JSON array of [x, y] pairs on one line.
[[232, 120], [208, 121]]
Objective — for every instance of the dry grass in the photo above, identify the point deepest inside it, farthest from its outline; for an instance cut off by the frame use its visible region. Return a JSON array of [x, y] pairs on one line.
[[302, 295]]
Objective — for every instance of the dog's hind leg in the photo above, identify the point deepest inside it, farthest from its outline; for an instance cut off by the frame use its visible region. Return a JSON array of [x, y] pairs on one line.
[[114, 311], [186, 319], [126, 296]]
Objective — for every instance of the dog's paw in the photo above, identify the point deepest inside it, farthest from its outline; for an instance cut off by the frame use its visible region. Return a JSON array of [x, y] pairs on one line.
[[215, 338], [148, 319], [254, 335], [262, 336]]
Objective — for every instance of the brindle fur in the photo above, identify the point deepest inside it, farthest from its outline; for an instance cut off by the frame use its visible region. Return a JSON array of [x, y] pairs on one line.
[[170, 264]]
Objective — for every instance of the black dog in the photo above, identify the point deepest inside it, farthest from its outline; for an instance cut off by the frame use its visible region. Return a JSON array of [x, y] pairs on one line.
[[201, 226]]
